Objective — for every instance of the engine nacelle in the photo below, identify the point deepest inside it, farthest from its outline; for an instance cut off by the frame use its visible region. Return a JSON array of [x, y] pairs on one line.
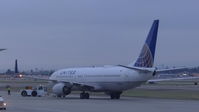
[[61, 89]]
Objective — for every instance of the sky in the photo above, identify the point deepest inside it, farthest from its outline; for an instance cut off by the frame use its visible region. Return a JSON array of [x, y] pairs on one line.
[[55, 34]]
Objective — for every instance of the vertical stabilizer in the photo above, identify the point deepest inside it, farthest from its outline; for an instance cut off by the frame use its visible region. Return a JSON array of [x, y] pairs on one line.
[[146, 57], [16, 66]]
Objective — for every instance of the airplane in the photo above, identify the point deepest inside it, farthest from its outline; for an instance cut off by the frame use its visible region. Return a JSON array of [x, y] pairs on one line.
[[16, 73], [112, 80]]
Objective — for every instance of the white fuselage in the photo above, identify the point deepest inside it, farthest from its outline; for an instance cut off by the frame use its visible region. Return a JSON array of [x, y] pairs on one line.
[[113, 78]]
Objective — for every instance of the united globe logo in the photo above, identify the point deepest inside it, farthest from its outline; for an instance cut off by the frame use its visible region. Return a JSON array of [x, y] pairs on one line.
[[145, 58]]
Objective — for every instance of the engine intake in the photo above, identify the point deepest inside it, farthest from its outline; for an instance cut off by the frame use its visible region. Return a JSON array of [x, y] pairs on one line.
[[61, 89]]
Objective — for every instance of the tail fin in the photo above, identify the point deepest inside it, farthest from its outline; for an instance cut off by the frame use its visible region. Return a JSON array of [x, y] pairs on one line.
[[146, 57], [16, 67]]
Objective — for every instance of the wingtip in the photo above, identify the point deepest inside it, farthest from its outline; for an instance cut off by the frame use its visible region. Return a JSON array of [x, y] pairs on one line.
[[2, 49]]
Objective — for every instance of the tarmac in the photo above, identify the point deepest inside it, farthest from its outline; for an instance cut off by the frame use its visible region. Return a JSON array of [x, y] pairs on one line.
[[72, 103]]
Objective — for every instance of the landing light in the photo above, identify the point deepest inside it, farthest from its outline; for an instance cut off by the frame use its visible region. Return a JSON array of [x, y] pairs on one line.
[[20, 75], [4, 104]]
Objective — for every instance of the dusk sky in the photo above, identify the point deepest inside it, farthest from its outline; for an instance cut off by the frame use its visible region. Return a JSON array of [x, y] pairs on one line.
[[55, 34]]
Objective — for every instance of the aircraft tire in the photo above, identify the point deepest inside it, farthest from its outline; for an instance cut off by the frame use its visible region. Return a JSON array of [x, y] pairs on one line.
[[81, 95], [59, 96], [87, 95], [84, 95], [115, 95]]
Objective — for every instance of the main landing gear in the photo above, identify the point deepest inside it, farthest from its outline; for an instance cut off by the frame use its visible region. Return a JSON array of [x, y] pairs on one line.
[[61, 96], [115, 95], [84, 95]]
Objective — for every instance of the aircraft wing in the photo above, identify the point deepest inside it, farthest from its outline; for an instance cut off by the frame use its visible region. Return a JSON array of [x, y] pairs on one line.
[[2, 49], [158, 71], [176, 70], [172, 79], [83, 86]]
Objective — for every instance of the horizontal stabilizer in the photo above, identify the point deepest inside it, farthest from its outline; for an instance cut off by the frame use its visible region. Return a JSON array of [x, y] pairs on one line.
[[176, 70], [172, 79]]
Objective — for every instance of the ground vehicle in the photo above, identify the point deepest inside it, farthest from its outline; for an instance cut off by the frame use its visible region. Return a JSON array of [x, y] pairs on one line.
[[38, 91], [2, 103]]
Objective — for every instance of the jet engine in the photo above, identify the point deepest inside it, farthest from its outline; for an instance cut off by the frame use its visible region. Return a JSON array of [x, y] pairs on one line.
[[61, 89]]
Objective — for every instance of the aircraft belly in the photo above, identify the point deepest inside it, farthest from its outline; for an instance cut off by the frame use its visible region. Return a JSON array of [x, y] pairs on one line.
[[114, 86], [118, 86]]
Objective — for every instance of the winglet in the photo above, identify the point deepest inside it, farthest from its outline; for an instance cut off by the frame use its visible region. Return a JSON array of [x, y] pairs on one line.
[[2, 49]]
